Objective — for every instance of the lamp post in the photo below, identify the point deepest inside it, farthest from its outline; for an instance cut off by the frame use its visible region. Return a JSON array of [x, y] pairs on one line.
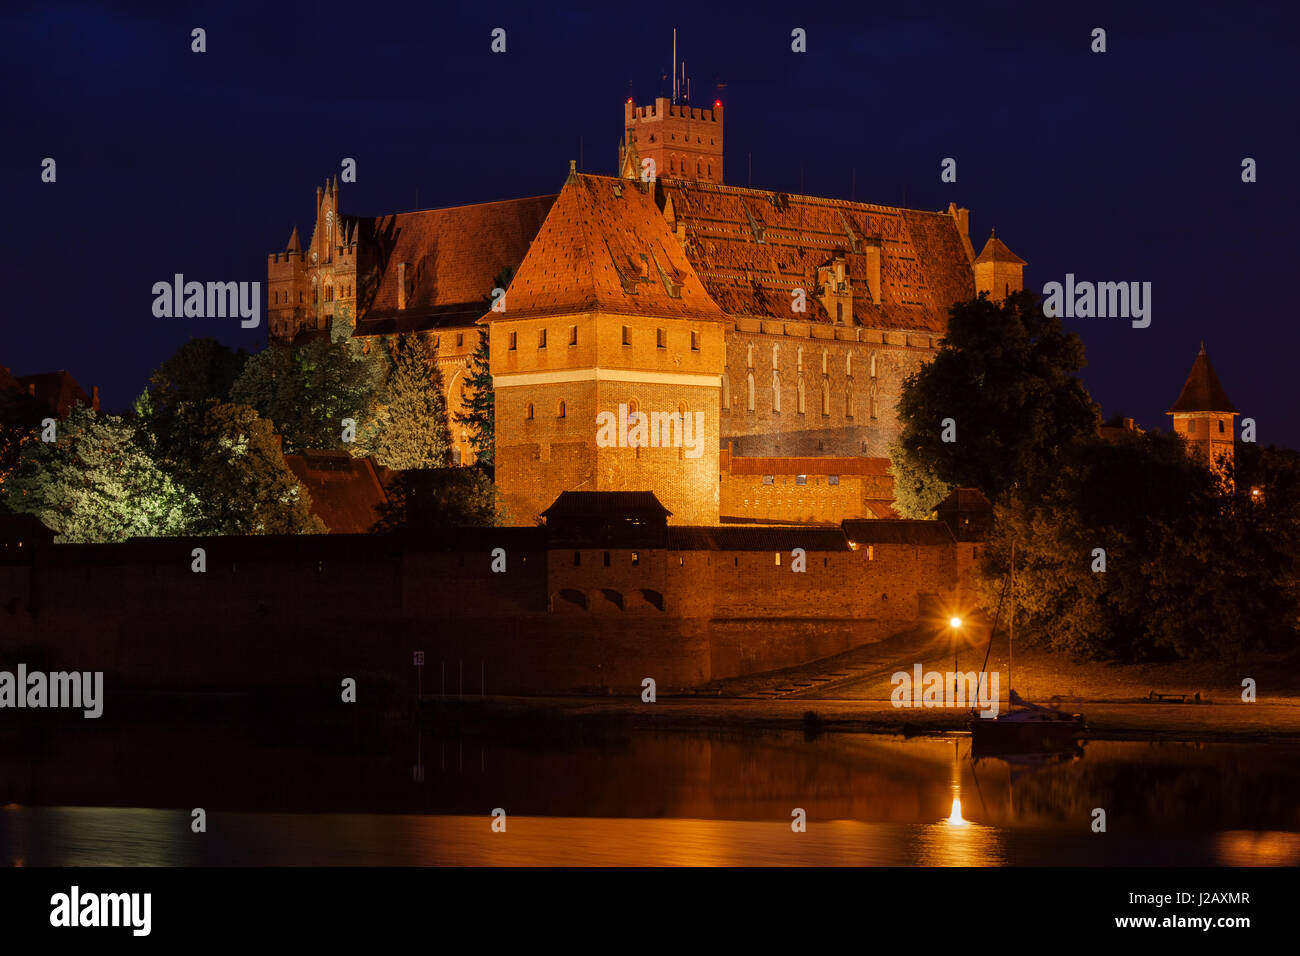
[[955, 623]]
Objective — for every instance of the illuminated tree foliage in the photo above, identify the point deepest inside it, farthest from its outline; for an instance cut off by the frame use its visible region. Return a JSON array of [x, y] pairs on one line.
[[480, 403], [917, 491], [20, 422], [230, 458], [414, 432], [97, 483], [1006, 377], [309, 390]]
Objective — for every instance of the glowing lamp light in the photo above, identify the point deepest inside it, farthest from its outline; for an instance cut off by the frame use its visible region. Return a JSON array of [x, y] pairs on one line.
[[717, 104], [955, 622], [629, 99]]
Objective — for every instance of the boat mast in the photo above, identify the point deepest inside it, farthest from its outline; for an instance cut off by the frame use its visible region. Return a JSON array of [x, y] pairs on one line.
[[1011, 626]]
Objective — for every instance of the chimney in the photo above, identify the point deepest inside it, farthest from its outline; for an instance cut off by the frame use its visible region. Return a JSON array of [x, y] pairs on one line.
[[872, 249]]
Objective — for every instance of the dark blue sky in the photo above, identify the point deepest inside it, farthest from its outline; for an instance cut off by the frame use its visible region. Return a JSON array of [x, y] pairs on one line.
[[1117, 166]]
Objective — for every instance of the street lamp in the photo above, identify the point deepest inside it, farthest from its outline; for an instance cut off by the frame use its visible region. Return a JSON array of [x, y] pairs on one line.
[[955, 624]]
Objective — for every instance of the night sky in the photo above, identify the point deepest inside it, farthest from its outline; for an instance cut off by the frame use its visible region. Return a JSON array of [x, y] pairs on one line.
[[1117, 166]]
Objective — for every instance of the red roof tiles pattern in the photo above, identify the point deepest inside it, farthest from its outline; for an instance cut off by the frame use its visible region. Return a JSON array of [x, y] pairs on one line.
[[1202, 392], [752, 248], [452, 257], [606, 247]]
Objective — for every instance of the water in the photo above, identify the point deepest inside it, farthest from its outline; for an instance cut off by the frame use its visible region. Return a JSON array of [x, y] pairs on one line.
[[124, 796]]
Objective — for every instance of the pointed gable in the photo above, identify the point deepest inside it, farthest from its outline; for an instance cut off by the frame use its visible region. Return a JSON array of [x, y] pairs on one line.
[[1202, 392], [295, 245], [606, 247]]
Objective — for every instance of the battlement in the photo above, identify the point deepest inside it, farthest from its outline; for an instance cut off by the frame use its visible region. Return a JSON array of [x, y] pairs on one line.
[[663, 109], [277, 258]]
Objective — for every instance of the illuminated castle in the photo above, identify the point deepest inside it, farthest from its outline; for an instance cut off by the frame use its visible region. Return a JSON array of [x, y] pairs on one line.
[[788, 321]]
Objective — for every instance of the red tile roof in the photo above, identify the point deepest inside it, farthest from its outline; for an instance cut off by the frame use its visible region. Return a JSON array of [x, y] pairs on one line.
[[752, 248], [605, 246], [346, 492], [58, 391], [995, 250], [452, 258], [1202, 392]]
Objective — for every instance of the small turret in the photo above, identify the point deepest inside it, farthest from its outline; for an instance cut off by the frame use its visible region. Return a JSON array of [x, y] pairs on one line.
[[1203, 415], [998, 270]]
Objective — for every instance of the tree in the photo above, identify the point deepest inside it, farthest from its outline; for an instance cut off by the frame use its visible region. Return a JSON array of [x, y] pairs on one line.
[[415, 433], [20, 422], [1188, 571], [1005, 378], [97, 483], [199, 370], [480, 404], [440, 498], [308, 391], [917, 490], [230, 458]]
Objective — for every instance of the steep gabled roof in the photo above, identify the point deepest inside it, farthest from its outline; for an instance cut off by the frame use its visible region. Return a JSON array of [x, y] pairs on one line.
[[453, 257], [346, 492], [57, 391], [995, 250], [752, 248], [602, 504], [606, 247], [1202, 392]]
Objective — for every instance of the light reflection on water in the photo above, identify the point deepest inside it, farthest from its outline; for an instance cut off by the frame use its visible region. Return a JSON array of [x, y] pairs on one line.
[[647, 799]]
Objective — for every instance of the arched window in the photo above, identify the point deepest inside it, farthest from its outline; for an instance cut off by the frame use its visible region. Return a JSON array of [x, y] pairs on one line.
[[560, 410], [528, 412], [749, 388]]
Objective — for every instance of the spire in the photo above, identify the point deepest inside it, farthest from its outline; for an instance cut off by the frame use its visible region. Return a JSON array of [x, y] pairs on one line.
[[1202, 391], [995, 250], [294, 244]]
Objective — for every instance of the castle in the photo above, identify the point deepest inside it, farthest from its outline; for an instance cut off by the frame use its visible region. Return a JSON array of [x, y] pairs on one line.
[[785, 324]]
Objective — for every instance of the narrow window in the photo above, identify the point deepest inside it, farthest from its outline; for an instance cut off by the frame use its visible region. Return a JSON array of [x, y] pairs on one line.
[[1220, 428], [514, 341], [636, 558], [661, 338], [528, 413], [573, 335], [541, 338], [695, 341], [627, 335], [460, 339], [778, 558], [560, 412], [606, 559], [801, 479], [577, 559]]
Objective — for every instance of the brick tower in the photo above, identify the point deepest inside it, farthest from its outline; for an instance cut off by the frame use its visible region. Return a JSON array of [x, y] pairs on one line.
[[1203, 415], [307, 288], [684, 141], [606, 317], [998, 270]]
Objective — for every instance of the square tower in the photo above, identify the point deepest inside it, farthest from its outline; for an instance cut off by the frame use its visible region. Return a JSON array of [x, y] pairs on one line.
[[1203, 416], [685, 142]]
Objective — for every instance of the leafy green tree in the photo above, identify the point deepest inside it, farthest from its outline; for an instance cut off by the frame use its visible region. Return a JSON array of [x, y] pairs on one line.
[[230, 458], [309, 390], [917, 490], [97, 483], [415, 433], [199, 370], [1006, 378], [480, 404], [1188, 571], [440, 498]]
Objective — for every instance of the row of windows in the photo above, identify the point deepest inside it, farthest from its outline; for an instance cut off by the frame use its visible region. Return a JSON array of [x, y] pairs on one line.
[[562, 409], [1191, 427], [801, 404], [661, 338], [801, 479], [282, 298], [776, 359]]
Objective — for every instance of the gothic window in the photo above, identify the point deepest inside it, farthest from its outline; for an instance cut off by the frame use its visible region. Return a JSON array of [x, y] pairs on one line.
[[826, 396], [803, 397], [776, 391], [749, 387], [560, 410]]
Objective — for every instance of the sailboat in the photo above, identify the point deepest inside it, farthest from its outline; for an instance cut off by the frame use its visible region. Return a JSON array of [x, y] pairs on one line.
[[1025, 727]]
